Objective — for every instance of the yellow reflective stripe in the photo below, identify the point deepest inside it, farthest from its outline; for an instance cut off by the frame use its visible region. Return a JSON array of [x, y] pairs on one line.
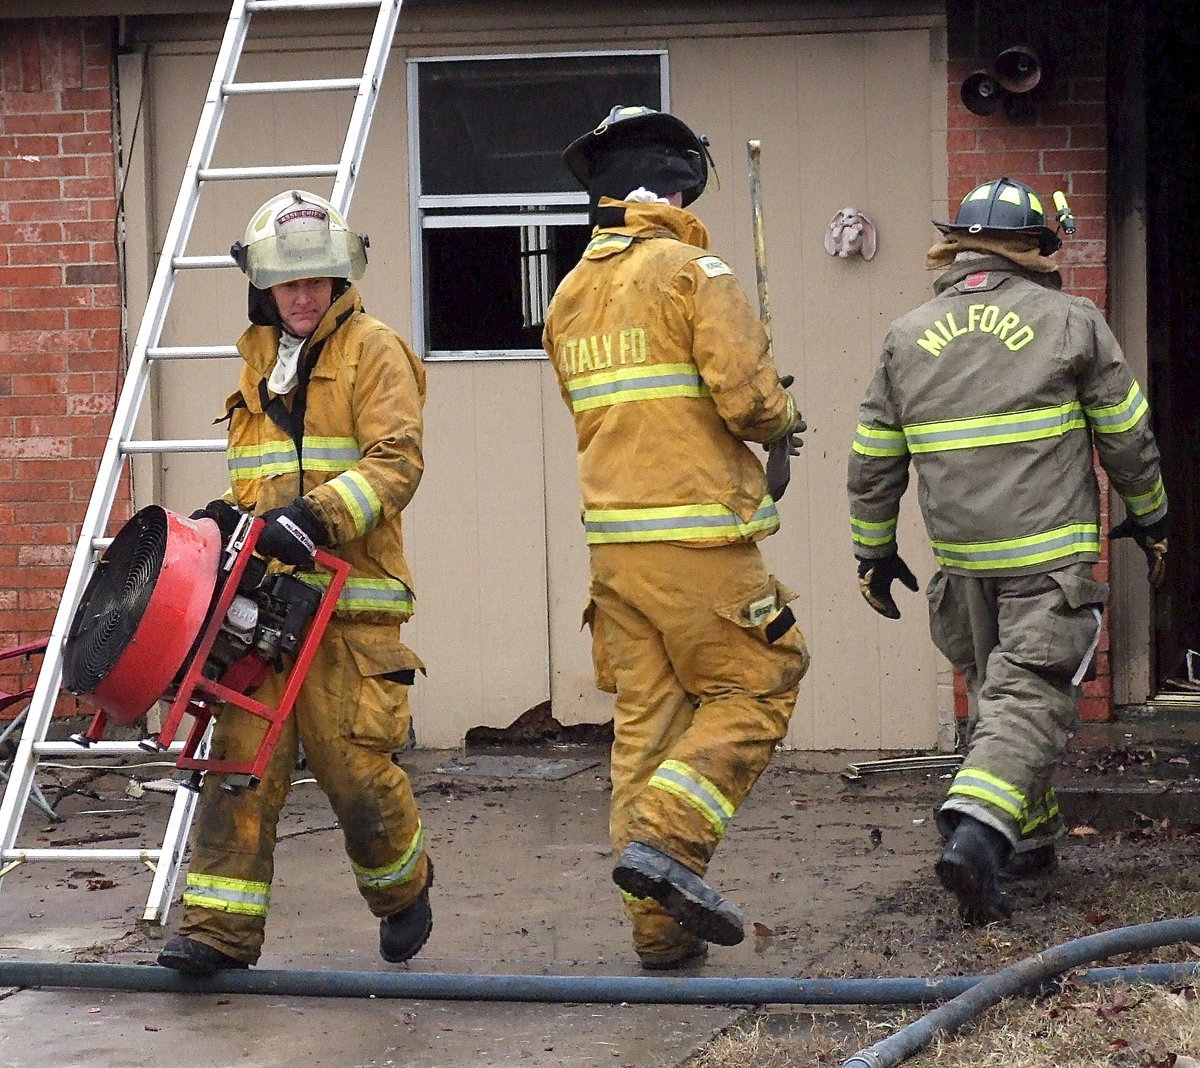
[[868, 533], [683, 781], [367, 594], [684, 522], [1146, 503], [360, 499], [330, 453], [1002, 428], [604, 243], [221, 894], [1040, 812], [262, 460], [1019, 552], [879, 441], [984, 786], [653, 382], [392, 874], [1115, 418]]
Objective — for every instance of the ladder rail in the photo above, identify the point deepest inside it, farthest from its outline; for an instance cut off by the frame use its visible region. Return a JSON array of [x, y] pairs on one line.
[[364, 104], [146, 349], [45, 694]]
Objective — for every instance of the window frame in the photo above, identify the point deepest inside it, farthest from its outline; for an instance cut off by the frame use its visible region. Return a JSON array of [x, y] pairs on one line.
[[572, 207]]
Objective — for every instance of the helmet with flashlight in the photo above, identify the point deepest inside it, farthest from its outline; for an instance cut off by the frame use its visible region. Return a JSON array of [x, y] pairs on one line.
[[1006, 206]]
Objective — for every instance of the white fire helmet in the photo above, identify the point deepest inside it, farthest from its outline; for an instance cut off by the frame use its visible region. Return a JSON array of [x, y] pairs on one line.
[[299, 235]]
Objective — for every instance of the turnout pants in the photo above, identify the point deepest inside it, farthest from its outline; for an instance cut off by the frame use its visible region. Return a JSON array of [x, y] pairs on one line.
[[1024, 644], [350, 717], [705, 658]]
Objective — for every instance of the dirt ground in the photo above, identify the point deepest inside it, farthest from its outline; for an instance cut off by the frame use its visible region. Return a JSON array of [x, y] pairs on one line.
[[835, 877]]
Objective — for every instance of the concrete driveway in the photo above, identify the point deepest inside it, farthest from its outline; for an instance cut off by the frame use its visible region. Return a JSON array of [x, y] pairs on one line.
[[523, 888]]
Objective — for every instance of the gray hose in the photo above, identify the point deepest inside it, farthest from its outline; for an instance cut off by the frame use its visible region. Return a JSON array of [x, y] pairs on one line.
[[582, 989], [1025, 975]]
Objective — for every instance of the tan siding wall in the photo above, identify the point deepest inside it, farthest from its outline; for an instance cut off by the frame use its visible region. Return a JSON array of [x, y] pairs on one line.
[[494, 535]]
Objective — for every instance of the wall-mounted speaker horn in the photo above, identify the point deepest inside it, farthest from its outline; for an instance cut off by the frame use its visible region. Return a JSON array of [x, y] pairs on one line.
[[981, 93], [1018, 69]]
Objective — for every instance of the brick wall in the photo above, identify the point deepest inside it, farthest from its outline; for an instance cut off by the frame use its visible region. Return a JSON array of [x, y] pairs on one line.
[[60, 309], [1061, 145]]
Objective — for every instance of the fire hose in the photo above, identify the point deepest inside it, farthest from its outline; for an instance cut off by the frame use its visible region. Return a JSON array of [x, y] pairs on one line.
[[1026, 975], [969, 994]]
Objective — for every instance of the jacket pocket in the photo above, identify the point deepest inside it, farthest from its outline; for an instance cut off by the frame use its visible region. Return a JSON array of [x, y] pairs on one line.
[[1086, 598], [1080, 590], [379, 671], [593, 619], [766, 614], [949, 627]]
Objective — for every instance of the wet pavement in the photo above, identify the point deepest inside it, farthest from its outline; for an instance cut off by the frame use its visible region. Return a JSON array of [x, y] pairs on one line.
[[523, 888]]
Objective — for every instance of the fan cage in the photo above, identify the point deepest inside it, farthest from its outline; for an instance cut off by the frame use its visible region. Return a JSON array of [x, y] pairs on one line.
[[115, 601]]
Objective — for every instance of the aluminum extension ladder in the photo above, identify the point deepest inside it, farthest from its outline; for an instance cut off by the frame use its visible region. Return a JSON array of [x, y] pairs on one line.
[[21, 787]]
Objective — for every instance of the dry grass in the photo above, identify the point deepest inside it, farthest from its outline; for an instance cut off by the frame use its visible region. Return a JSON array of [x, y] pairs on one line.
[[1080, 1027], [1103, 882]]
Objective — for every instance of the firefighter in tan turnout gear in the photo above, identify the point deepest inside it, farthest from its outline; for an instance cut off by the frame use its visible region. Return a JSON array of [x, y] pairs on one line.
[[997, 390], [324, 443], [666, 368]]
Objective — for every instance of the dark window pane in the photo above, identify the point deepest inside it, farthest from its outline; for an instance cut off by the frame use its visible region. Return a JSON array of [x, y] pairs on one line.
[[474, 284], [494, 126]]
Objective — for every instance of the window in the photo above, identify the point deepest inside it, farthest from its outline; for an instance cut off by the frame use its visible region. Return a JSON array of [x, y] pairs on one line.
[[498, 218]]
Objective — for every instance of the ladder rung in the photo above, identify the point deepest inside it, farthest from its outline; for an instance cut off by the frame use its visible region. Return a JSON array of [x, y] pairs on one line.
[[104, 749], [65, 853], [308, 5], [296, 170], [310, 85], [192, 263], [180, 445], [191, 352]]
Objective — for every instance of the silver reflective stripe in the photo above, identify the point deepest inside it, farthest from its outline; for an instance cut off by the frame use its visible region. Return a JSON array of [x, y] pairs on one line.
[[222, 894], [392, 874], [676, 778], [674, 523], [1000, 429]]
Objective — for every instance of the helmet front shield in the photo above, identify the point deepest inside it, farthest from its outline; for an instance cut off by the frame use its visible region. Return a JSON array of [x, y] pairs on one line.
[[272, 261]]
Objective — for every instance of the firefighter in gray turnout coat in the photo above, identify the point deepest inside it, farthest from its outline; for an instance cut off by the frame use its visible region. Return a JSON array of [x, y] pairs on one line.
[[996, 391]]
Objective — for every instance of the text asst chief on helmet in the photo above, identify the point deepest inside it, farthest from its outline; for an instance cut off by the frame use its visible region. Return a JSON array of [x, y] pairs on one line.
[[324, 443], [667, 372], [996, 391]]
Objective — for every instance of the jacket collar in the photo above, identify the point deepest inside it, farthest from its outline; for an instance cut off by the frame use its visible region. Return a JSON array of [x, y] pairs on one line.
[[260, 344], [972, 263], [643, 221]]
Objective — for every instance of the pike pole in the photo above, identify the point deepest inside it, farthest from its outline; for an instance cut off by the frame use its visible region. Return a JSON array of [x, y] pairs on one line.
[[780, 452], [754, 151]]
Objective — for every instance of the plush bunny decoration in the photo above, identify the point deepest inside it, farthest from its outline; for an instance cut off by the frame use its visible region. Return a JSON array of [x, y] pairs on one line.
[[850, 232]]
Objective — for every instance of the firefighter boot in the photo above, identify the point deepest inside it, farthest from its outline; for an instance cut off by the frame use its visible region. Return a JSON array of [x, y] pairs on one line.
[[968, 868], [691, 902], [403, 933], [189, 957], [1030, 863]]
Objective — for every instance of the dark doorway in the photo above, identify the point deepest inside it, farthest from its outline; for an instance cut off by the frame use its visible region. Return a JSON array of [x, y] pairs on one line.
[[1169, 33]]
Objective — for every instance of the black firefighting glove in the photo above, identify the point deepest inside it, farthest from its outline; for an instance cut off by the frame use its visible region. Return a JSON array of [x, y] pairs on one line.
[[292, 534], [1152, 540], [875, 578], [223, 514], [781, 450]]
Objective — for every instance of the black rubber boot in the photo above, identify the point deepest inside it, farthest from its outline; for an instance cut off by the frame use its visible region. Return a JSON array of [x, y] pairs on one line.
[[1030, 863], [968, 868], [688, 899], [403, 933], [690, 952], [189, 957]]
